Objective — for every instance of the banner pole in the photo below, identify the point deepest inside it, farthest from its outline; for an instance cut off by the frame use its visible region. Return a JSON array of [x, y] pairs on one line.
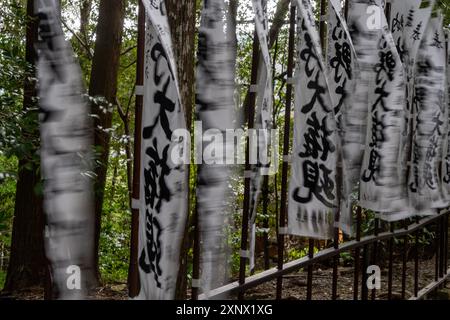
[[287, 129], [250, 117], [133, 272]]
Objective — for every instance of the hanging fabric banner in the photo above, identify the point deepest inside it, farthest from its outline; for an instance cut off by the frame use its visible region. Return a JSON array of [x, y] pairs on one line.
[[445, 178], [431, 121], [163, 203], [263, 119], [215, 109], [380, 188], [365, 37], [66, 139], [342, 74], [312, 188], [408, 20]]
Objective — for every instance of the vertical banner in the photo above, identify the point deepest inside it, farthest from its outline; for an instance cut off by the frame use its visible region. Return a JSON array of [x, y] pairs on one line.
[[380, 187], [342, 74], [263, 119], [445, 173], [407, 21], [431, 120], [365, 35], [215, 109], [66, 139], [163, 203], [312, 188]]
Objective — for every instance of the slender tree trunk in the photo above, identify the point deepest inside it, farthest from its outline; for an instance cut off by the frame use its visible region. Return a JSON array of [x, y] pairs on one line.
[[182, 16], [27, 263], [103, 83], [85, 14]]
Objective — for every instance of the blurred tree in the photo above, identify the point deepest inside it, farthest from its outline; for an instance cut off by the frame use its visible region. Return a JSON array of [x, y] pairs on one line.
[[27, 262], [103, 87]]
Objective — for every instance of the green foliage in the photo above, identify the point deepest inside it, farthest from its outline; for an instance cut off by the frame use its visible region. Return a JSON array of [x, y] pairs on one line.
[[116, 222], [444, 5], [2, 278], [7, 194], [346, 258], [295, 253]]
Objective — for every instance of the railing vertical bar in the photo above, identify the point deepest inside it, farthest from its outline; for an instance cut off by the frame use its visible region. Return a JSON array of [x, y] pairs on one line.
[[310, 270], [437, 250], [266, 221], [390, 270], [357, 258], [335, 259], [404, 261], [442, 246], [364, 289], [375, 252], [416, 262], [287, 128], [446, 244], [196, 255]]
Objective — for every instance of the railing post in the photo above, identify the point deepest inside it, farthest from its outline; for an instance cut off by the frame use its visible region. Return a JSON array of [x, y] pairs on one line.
[[390, 271], [133, 274], [357, 257], [196, 256], [416, 261]]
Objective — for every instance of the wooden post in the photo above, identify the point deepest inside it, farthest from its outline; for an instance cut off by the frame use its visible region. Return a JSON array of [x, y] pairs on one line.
[[133, 272]]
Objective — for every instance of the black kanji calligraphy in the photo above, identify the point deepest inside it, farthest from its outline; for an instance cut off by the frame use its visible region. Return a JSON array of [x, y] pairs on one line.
[[317, 180], [153, 246], [317, 139]]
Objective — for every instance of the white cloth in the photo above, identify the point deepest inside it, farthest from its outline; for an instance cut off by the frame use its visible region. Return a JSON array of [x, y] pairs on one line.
[[163, 189]]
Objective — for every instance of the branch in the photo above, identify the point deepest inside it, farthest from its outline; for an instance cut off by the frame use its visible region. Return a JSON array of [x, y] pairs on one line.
[[85, 46], [129, 65], [128, 50], [122, 114]]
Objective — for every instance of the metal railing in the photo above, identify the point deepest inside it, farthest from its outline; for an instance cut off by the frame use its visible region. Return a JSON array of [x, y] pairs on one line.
[[440, 223]]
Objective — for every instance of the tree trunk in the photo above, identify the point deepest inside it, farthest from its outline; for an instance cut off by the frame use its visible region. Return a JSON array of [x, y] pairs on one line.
[[85, 14], [103, 83], [182, 16], [27, 261]]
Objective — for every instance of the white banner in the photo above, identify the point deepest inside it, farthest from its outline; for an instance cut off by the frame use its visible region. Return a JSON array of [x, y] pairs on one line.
[[312, 188], [215, 109], [163, 189], [431, 121], [408, 20], [66, 139], [365, 38], [342, 74], [445, 178], [380, 189], [263, 118]]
